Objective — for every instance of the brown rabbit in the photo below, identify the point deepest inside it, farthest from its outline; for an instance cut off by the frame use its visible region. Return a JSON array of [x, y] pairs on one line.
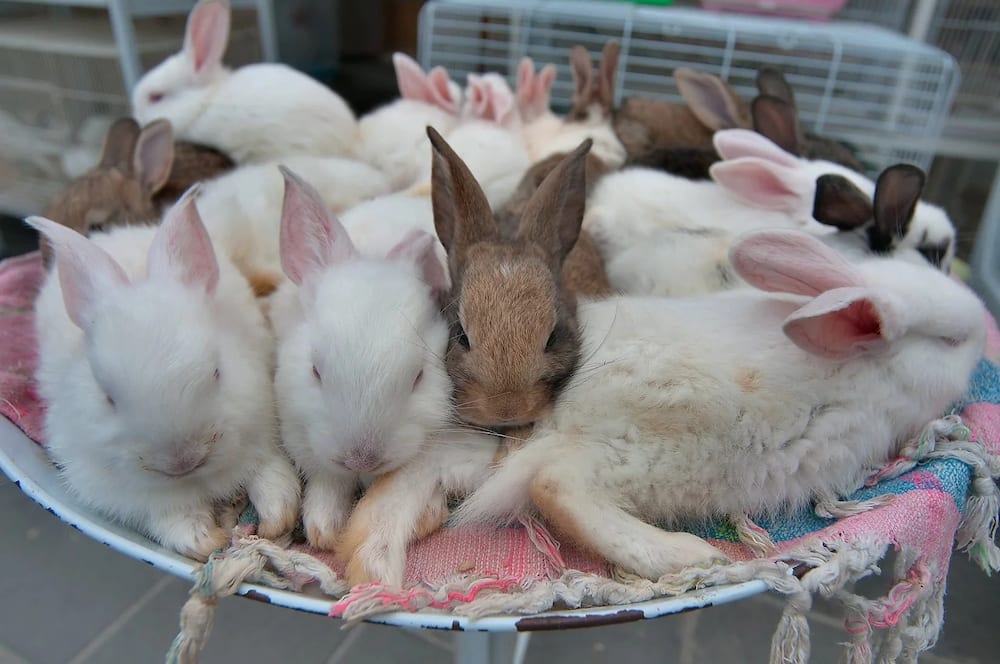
[[645, 126], [140, 172], [514, 340], [776, 116]]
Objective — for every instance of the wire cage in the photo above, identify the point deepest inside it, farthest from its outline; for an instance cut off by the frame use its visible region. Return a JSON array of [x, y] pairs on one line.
[[884, 93], [61, 86]]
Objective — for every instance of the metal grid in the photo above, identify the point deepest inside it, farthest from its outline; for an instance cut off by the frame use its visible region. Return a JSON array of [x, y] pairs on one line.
[[892, 14], [882, 92], [61, 85]]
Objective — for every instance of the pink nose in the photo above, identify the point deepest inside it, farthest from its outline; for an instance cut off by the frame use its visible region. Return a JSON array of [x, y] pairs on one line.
[[362, 460]]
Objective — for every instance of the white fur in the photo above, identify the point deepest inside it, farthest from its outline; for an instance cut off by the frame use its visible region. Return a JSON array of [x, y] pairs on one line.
[[255, 113], [699, 407], [569, 134], [155, 344], [369, 325]]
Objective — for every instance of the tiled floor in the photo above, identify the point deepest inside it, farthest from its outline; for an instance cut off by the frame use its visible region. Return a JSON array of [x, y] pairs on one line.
[[65, 598]]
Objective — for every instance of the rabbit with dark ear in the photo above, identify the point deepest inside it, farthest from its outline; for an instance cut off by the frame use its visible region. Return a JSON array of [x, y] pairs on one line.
[[135, 164], [193, 163], [514, 338], [775, 115], [651, 129]]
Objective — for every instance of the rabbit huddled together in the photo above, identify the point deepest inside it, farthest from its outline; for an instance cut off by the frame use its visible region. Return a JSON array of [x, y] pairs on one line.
[[629, 315]]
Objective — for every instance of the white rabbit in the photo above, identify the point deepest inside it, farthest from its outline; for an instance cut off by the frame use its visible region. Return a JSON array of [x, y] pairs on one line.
[[257, 112], [739, 402], [360, 379], [241, 209], [155, 363], [534, 92], [394, 137]]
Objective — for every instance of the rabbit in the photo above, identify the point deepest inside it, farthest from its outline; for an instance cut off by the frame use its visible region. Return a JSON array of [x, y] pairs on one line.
[[591, 114], [393, 137], [740, 402], [155, 364], [514, 341], [242, 209], [775, 115], [193, 163], [534, 94], [650, 128], [360, 381], [256, 113], [135, 165], [680, 263]]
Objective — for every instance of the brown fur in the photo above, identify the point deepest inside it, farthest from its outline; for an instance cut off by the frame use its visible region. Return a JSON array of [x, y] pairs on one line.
[[547, 499], [583, 273], [515, 340], [137, 174]]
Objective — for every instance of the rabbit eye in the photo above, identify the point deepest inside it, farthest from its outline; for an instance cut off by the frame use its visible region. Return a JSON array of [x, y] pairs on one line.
[[217, 375], [551, 341], [155, 97], [416, 381], [316, 374], [462, 338], [111, 402]]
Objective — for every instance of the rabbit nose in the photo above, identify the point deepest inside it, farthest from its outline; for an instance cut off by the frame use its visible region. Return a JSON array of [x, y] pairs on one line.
[[362, 460]]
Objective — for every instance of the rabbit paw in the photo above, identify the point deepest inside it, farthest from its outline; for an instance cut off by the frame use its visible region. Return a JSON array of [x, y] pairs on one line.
[[198, 537]]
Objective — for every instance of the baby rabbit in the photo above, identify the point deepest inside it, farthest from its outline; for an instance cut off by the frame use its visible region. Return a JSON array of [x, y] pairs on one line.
[[534, 93], [514, 340], [135, 164], [155, 364], [394, 137], [740, 402], [360, 380], [255, 113]]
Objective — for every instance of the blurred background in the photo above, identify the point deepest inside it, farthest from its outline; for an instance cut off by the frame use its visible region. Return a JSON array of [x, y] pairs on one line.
[[900, 80]]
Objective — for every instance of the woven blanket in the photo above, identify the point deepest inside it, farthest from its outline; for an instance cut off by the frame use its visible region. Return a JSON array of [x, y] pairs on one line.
[[941, 487]]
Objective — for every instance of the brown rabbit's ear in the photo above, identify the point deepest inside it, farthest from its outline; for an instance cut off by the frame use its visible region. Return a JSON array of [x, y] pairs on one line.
[[777, 120], [712, 101], [119, 144], [606, 80], [772, 82], [462, 214], [554, 213], [897, 192], [583, 78], [840, 203], [154, 155]]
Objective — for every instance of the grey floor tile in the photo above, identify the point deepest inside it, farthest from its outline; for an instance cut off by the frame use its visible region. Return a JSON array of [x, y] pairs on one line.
[[378, 643], [244, 630], [52, 573], [971, 610], [657, 640]]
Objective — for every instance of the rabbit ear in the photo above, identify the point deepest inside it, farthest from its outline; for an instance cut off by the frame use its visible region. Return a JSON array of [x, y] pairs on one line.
[[119, 144], [462, 214], [477, 96], [154, 155], [897, 193], [310, 238], [711, 100], [778, 121], [207, 34], [525, 82], [554, 213], [420, 247], [840, 203], [444, 93], [502, 107], [542, 89], [736, 143], [763, 184], [411, 79], [772, 82], [844, 323], [786, 261], [182, 249], [534, 91], [86, 271], [583, 75], [606, 76]]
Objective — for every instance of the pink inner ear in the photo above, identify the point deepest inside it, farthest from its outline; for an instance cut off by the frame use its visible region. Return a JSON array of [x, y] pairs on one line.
[[421, 248], [502, 106], [410, 78], [737, 143], [182, 249], [764, 184], [441, 89], [786, 261], [207, 33], [310, 237], [525, 81], [839, 324]]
